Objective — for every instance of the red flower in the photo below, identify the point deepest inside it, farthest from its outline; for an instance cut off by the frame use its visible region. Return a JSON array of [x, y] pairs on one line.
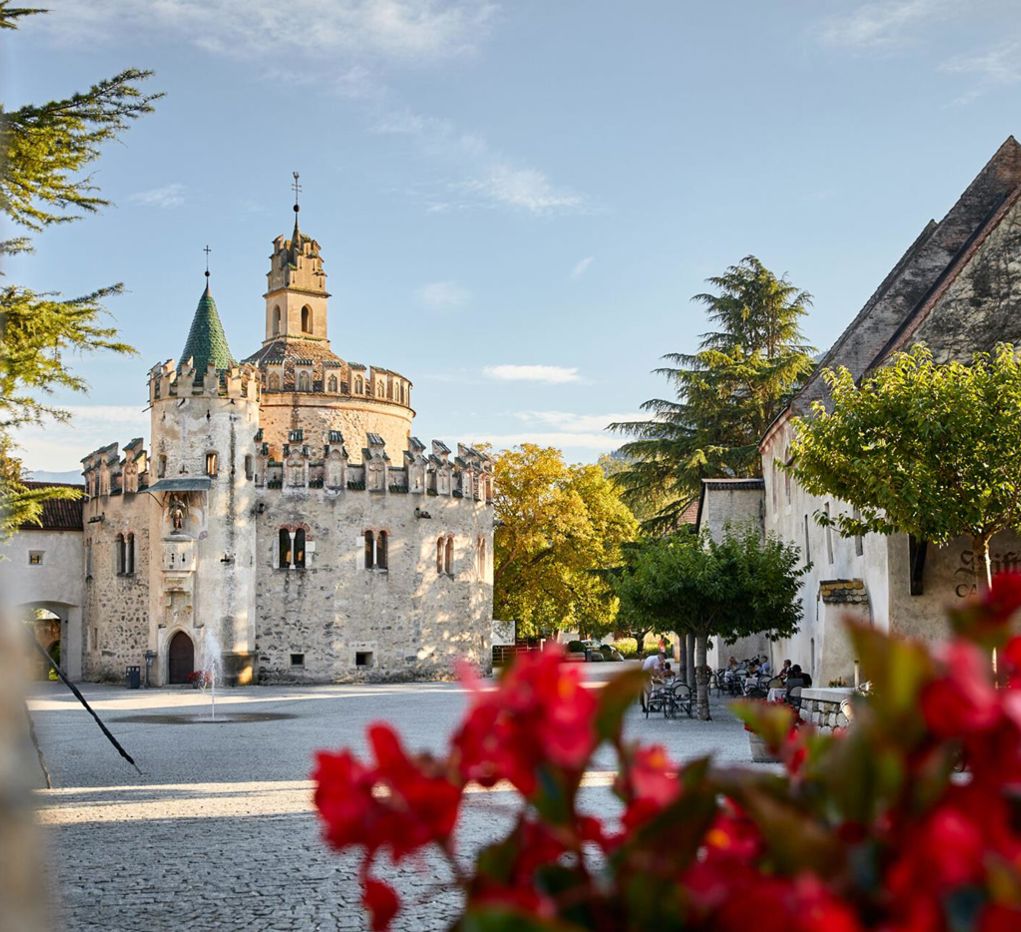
[[1003, 598], [381, 902], [540, 713], [963, 700]]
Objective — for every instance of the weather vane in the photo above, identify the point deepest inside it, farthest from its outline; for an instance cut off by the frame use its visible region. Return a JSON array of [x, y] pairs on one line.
[[207, 251], [297, 190]]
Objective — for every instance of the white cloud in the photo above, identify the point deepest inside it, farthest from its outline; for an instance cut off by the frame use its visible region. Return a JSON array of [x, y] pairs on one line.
[[444, 296], [522, 188], [582, 266], [60, 446], [555, 375], [586, 441], [997, 67], [402, 30], [882, 24], [170, 195], [576, 423]]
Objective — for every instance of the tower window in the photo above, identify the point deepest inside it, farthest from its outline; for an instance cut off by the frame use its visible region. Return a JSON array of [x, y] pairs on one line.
[[276, 321], [304, 382], [118, 553], [129, 555], [332, 384], [299, 549], [445, 555], [306, 319], [359, 385], [375, 550], [285, 549], [212, 464], [363, 658], [249, 466], [161, 465]]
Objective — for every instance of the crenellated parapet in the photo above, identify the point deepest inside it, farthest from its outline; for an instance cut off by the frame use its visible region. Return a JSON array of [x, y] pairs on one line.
[[170, 380], [110, 471], [326, 465]]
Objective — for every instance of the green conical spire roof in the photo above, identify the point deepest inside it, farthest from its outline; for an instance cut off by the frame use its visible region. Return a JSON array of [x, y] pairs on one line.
[[207, 343]]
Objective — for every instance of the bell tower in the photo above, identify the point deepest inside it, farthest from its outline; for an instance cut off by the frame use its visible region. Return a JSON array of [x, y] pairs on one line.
[[296, 296]]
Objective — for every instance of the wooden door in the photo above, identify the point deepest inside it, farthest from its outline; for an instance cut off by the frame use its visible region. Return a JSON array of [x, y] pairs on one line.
[[182, 658]]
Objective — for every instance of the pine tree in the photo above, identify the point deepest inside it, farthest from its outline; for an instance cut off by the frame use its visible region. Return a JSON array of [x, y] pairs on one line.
[[43, 150], [726, 394]]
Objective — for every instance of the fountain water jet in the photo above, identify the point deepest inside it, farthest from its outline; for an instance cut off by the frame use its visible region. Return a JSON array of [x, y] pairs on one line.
[[212, 668]]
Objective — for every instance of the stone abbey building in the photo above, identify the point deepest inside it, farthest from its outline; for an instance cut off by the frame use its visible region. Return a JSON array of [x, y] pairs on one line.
[[283, 516]]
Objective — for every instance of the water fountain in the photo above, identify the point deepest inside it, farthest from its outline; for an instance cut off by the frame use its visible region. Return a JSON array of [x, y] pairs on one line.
[[212, 668]]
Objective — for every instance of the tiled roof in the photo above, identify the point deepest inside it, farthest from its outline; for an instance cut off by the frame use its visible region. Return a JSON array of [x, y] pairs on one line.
[[59, 514], [207, 343]]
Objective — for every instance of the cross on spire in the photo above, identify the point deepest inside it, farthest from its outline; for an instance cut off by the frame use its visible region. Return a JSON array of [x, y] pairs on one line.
[[207, 251], [296, 187]]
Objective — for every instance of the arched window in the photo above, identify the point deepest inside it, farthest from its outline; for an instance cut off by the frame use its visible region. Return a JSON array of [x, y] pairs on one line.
[[402, 394], [332, 384], [118, 554], [370, 550], [299, 548], [379, 389], [359, 385], [448, 557], [381, 541], [440, 545], [274, 382], [306, 319], [129, 555], [285, 549], [161, 465], [276, 321], [212, 463], [304, 382]]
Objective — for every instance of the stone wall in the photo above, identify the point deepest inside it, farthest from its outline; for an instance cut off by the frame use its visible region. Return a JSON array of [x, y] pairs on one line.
[[116, 615], [335, 620], [826, 708]]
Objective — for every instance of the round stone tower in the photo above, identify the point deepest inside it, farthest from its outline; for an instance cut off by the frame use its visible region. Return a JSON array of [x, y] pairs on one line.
[[307, 390], [204, 415]]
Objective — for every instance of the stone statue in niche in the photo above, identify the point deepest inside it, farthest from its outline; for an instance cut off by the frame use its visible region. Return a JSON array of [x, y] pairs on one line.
[[177, 512]]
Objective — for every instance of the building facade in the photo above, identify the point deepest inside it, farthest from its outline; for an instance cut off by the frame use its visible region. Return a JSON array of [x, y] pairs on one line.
[[958, 290], [283, 522]]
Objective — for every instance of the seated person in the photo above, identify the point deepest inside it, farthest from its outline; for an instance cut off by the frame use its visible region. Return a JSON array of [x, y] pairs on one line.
[[765, 667], [785, 670], [653, 665]]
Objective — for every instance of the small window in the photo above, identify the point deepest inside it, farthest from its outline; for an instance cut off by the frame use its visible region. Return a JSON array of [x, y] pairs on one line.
[[161, 465], [363, 658], [35, 557], [296, 436], [129, 555], [118, 554], [306, 319], [359, 385], [299, 549], [332, 384], [370, 550], [304, 382], [276, 321], [274, 382], [448, 557], [212, 464], [381, 542], [439, 555], [249, 466], [297, 660], [285, 549]]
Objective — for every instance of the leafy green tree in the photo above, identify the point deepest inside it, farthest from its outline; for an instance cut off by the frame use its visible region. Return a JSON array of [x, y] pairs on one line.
[[556, 526], [43, 150], [726, 394], [920, 448], [728, 589]]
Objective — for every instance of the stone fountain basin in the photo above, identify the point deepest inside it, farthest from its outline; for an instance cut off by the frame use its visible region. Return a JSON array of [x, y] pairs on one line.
[[203, 718]]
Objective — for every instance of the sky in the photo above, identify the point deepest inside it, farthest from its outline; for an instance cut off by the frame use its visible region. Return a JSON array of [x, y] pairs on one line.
[[515, 201]]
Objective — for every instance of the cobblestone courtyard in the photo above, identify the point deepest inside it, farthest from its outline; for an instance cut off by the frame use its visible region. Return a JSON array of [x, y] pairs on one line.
[[219, 832]]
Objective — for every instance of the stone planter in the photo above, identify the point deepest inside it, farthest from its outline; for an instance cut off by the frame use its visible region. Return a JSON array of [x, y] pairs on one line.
[[760, 752]]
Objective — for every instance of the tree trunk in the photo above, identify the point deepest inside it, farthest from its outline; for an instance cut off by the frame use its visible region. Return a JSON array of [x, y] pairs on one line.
[[689, 651], [983, 566], [701, 679], [682, 659]]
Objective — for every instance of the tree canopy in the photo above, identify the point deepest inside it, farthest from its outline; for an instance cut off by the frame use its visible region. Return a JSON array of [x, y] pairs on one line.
[[556, 526], [726, 394], [727, 589], [43, 151], [921, 448]]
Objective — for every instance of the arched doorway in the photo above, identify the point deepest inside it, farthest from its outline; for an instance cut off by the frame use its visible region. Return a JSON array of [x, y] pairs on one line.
[[181, 658]]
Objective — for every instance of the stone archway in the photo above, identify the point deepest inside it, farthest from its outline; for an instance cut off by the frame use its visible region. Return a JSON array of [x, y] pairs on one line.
[[180, 658]]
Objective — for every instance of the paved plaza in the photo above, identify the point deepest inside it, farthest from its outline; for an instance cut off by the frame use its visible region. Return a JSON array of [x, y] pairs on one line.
[[219, 831]]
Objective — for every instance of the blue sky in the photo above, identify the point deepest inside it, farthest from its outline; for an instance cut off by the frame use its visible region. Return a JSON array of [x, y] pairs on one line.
[[515, 201]]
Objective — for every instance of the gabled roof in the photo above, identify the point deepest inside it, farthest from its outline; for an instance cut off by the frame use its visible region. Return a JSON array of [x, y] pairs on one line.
[[906, 295], [206, 343], [58, 514]]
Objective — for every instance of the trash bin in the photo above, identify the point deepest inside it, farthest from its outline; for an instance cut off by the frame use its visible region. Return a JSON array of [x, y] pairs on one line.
[[134, 677]]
